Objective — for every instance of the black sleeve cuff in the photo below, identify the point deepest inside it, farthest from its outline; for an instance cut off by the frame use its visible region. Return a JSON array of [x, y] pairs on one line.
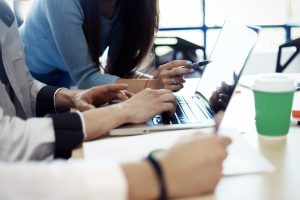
[[68, 133], [45, 101]]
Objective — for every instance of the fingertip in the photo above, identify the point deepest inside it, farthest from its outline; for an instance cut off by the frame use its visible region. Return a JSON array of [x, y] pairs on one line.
[[226, 141], [188, 71], [123, 97], [124, 86], [188, 63]]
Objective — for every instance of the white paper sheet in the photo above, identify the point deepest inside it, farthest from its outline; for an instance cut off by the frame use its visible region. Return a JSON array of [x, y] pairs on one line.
[[242, 158]]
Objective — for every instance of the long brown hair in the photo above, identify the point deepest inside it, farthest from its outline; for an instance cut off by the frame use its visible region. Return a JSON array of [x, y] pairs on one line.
[[139, 22]]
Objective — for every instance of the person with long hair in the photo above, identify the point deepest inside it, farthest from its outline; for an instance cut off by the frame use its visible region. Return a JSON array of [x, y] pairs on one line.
[[26, 138], [64, 39]]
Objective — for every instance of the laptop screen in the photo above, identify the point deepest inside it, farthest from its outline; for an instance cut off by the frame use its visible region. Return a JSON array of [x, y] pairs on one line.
[[228, 57]]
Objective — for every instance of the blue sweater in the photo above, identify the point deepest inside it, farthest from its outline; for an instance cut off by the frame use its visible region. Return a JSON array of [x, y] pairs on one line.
[[55, 46]]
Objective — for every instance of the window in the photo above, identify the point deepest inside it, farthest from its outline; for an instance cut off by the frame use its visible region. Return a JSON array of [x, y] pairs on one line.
[[187, 13], [199, 21], [295, 33], [9, 2], [257, 12], [20, 7], [194, 36]]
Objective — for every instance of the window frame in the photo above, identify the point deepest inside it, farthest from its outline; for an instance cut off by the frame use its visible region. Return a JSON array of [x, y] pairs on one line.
[[204, 28]]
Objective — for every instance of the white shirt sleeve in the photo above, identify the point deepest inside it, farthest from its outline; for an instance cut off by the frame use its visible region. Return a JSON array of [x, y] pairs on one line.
[[21, 140], [62, 180]]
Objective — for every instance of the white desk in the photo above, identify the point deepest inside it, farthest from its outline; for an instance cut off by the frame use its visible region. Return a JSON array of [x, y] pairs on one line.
[[283, 184]]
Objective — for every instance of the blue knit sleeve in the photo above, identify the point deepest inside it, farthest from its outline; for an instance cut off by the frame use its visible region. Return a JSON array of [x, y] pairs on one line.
[[66, 18]]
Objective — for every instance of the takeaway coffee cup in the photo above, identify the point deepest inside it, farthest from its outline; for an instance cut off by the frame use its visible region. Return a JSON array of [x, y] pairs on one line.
[[273, 94]]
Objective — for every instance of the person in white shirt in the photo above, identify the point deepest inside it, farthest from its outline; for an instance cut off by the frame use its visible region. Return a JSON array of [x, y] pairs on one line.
[[26, 134], [186, 169], [192, 167]]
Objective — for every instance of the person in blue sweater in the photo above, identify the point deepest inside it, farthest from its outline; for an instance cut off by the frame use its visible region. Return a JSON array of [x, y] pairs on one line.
[[64, 39]]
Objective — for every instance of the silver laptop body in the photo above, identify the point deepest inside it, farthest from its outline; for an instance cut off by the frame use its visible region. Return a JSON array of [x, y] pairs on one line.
[[229, 56]]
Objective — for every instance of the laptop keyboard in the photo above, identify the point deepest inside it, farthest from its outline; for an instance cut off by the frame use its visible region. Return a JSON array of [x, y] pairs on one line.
[[189, 110]]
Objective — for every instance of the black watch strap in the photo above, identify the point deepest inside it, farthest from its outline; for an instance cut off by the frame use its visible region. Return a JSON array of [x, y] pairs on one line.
[[160, 176]]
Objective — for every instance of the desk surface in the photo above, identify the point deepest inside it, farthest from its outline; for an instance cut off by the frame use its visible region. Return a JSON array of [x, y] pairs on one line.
[[283, 184]]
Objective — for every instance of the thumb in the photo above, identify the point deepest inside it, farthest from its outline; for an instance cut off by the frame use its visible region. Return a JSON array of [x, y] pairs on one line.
[[100, 90]]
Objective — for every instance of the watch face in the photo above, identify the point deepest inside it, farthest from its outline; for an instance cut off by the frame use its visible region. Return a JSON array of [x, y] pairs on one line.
[[155, 153]]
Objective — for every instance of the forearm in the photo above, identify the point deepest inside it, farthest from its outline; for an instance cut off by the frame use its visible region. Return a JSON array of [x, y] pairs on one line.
[[137, 85], [100, 121], [142, 181]]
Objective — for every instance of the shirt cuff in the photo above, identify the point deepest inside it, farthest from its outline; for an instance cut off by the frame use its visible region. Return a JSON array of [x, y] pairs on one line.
[[45, 101], [82, 123], [68, 133]]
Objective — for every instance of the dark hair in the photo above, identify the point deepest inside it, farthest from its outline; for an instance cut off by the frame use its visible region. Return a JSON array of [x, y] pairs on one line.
[[139, 22]]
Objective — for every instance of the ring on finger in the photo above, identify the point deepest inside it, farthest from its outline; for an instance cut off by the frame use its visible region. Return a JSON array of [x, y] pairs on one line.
[[173, 80]]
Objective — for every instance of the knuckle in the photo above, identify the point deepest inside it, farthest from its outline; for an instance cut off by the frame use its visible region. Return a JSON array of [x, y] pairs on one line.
[[165, 81], [163, 73], [222, 154], [156, 93], [177, 62], [175, 72], [152, 92], [169, 107]]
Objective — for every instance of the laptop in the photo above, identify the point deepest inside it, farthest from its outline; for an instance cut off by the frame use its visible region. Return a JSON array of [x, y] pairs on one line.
[[231, 51]]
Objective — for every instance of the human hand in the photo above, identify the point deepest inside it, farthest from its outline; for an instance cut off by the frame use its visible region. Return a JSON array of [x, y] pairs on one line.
[[220, 98], [169, 76], [99, 95], [194, 166], [148, 103]]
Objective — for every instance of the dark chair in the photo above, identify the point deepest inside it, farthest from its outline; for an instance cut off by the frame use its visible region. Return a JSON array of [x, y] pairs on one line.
[[178, 49], [294, 43]]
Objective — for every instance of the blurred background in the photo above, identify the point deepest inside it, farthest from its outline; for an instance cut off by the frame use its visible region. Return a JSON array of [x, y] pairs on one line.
[[199, 22], [189, 28]]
